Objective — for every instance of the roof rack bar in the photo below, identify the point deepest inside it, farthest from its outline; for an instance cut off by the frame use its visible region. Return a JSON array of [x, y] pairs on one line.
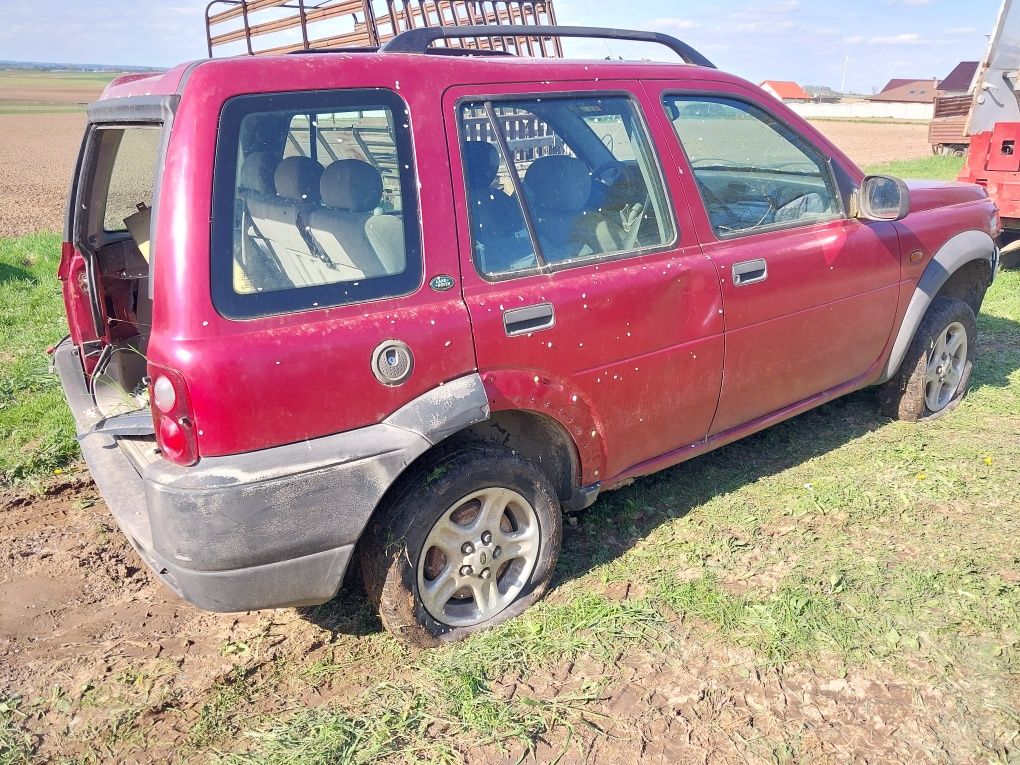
[[420, 39]]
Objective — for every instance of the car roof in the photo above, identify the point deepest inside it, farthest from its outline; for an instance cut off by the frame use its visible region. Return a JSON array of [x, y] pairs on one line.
[[450, 70]]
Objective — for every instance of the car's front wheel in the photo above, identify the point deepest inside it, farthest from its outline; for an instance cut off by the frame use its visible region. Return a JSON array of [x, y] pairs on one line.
[[468, 541], [936, 369]]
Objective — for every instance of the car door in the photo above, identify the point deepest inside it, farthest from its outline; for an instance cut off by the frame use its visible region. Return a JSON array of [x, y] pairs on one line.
[[809, 294], [591, 295]]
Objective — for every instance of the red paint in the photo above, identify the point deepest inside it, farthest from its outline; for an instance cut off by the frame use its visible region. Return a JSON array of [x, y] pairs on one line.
[[994, 163], [653, 358]]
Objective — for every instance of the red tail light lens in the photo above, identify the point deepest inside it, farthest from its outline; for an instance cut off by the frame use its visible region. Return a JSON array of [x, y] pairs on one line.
[[172, 416]]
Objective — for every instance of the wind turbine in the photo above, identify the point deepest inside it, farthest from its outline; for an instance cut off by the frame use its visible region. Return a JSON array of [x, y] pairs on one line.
[[846, 65]]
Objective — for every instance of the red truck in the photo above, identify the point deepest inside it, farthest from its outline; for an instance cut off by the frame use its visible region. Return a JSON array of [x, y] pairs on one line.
[[410, 307]]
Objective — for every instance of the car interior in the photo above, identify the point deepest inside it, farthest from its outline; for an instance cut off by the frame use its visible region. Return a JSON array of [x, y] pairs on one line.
[[306, 221], [584, 170]]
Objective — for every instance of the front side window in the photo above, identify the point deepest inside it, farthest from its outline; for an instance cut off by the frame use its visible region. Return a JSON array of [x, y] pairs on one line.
[[552, 182], [315, 202], [754, 172]]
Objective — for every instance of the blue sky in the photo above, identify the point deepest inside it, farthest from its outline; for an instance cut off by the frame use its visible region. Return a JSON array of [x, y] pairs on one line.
[[803, 40]]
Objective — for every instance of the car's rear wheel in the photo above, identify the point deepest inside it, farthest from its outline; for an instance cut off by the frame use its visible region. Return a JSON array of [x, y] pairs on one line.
[[936, 369], [468, 541]]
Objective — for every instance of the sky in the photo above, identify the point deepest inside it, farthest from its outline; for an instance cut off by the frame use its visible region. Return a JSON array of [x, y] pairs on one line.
[[809, 41]]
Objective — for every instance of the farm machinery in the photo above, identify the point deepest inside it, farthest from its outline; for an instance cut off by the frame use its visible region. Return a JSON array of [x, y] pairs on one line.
[[993, 125]]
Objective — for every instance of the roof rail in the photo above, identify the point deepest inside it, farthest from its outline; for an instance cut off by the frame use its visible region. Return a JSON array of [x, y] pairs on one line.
[[419, 40]]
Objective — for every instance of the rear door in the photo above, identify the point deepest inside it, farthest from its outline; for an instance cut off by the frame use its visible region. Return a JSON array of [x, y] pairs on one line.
[[593, 287], [809, 293]]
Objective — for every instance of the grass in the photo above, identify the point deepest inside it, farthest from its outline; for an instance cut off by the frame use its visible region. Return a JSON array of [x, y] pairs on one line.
[[36, 430], [833, 544], [15, 744], [933, 167], [836, 538]]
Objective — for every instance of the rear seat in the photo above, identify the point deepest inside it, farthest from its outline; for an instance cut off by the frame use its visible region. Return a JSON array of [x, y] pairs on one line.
[[349, 228], [279, 219], [256, 265]]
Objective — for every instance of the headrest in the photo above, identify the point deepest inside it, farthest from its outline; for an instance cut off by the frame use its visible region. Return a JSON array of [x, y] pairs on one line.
[[350, 184], [481, 161], [298, 178], [257, 172], [558, 183]]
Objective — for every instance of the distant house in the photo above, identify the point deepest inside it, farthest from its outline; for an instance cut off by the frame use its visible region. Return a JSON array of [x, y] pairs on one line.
[[908, 92], [786, 91], [897, 83], [958, 81]]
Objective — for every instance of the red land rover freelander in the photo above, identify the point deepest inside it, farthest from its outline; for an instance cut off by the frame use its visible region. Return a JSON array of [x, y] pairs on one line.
[[411, 306]]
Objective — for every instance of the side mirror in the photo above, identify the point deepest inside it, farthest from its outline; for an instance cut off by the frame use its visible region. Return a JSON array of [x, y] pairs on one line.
[[881, 197]]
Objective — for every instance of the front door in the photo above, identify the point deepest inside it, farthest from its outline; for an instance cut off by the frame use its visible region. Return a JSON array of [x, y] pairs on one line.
[[809, 294], [577, 271]]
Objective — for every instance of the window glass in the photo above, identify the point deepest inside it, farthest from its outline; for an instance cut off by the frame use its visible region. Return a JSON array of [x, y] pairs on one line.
[[580, 168], [133, 175], [319, 196], [754, 172]]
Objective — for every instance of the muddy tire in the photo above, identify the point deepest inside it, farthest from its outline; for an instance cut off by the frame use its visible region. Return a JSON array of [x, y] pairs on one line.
[[469, 540], [936, 369]]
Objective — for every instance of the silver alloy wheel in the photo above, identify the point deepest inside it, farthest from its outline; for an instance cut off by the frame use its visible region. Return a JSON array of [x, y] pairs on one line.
[[946, 363], [478, 557]]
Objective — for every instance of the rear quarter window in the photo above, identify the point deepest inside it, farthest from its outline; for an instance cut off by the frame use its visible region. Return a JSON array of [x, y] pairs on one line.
[[315, 202]]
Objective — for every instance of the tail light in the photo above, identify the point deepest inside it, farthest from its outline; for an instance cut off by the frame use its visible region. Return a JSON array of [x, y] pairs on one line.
[[171, 415]]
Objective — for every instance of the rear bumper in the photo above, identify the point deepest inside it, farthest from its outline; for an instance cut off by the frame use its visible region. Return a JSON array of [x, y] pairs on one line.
[[265, 529]]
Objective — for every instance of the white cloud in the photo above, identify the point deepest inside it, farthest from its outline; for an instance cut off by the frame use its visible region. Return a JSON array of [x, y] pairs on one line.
[[674, 23], [907, 38]]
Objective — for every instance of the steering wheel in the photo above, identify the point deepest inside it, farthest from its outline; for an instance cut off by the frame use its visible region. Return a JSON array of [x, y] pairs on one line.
[[608, 174]]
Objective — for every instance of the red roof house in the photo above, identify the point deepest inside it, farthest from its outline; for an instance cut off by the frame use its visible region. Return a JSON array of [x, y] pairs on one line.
[[958, 81], [785, 90]]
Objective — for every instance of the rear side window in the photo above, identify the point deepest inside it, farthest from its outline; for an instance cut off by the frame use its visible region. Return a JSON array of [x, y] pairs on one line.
[[314, 202], [753, 171], [552, 182]]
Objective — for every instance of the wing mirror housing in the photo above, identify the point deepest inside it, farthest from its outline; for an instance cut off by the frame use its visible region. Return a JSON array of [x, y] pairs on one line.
[[881, 197]]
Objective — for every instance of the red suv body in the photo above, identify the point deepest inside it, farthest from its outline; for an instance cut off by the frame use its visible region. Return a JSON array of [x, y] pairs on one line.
[[341, 264]]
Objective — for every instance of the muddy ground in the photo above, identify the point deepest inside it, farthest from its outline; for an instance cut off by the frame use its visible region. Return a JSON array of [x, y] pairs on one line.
[[37, 154], [99, 651]]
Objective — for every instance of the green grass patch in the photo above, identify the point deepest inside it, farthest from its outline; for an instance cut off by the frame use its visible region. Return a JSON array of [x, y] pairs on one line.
[[15, 743], [935, 168], [36, 429]]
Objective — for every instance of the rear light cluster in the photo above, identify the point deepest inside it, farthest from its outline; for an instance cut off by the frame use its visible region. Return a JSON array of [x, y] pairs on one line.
[[171, 415]]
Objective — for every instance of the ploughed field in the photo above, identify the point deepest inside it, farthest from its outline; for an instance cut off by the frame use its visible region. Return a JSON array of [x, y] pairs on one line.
[[41, 135], [839, 588]]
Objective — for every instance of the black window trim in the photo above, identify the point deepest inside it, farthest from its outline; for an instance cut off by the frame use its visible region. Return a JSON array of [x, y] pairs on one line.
[[258, 305], [497, 99], [835, 185]]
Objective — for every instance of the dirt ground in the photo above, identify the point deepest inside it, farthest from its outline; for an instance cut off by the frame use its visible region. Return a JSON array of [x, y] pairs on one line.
[[88, 634], [32, 193], [870, 143], [37, 154]]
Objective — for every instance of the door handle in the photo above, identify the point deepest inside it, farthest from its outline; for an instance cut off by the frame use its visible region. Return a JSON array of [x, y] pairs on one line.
[[750, 271], [532, 318]]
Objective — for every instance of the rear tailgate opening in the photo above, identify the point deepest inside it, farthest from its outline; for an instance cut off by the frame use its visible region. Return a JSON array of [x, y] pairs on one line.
[[105, 270]]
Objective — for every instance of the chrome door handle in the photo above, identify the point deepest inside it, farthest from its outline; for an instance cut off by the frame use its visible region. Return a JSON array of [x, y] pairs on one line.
[[750, 271], [532, 318]]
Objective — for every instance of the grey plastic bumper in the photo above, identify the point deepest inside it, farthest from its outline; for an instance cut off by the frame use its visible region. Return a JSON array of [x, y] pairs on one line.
[[264, 529]]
